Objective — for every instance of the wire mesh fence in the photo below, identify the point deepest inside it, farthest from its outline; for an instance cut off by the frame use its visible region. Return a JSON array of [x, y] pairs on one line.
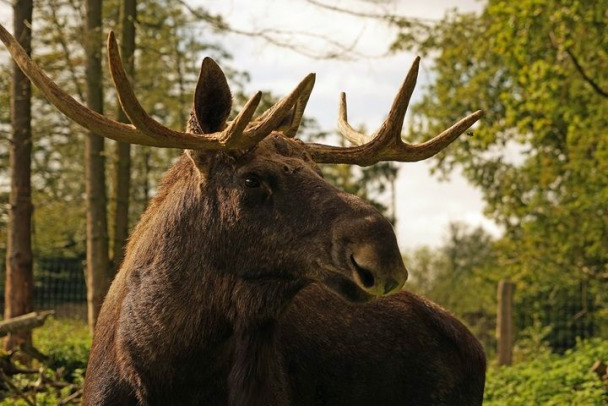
[[59, 284], [567, 314]]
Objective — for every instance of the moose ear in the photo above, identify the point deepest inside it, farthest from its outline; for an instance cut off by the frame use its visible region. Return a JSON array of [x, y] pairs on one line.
[[212, 98]]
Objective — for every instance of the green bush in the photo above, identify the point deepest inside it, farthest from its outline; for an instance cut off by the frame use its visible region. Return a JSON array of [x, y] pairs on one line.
[[66, 342], [551, 379]]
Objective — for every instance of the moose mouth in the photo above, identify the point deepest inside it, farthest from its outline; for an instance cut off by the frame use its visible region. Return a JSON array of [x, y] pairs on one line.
[[346, 288]]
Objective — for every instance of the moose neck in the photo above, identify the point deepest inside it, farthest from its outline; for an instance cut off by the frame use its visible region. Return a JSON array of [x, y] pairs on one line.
[[225, 308], [257, 374]]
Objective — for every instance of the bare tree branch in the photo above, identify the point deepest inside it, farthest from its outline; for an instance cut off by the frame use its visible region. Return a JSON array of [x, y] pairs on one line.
[[595, 275], [59, 27], [586, 77], [391, 18], [15, 389], [555, 43], [74, 396], [25, 322], [272, 36]]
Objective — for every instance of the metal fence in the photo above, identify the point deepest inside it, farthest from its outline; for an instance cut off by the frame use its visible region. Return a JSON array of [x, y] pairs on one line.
[[571, 312], [59, 284]]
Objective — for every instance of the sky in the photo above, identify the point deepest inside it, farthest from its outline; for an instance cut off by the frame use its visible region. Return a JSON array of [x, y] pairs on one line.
[[424, 205]]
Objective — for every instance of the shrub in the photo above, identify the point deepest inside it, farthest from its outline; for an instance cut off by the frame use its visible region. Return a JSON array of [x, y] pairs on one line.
[[66, 342], [551, 379]]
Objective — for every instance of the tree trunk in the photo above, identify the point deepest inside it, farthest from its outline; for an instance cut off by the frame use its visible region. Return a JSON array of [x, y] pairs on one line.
[[122, 178], [98, 275], [504, 323], [19, 290]]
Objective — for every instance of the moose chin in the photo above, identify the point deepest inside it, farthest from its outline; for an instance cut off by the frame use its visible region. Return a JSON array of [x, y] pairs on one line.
[[250, 280]]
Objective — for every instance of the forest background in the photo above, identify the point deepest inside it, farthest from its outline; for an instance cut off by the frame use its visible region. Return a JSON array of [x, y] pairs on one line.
[[537, 162]]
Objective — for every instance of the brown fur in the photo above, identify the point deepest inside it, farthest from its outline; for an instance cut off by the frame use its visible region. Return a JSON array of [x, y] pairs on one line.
[[192, 317], [397, 350], [235, 295]]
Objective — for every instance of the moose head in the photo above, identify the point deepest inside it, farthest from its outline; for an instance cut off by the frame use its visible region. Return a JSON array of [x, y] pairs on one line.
[[270, 192]]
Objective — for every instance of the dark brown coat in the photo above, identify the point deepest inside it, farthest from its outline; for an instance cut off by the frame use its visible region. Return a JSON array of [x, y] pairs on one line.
[[218, 301]]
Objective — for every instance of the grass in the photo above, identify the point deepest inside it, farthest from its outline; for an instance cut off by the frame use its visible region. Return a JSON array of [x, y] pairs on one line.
[[66, 343]]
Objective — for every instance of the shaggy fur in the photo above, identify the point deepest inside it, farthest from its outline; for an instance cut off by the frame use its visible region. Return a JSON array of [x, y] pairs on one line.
[[200, 312], [238, 295]]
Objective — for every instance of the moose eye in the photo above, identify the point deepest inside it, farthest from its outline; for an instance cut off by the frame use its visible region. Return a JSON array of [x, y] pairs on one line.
[[252, 182]]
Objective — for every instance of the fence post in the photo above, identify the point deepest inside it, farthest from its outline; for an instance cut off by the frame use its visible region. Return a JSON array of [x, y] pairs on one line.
[[504, 323]]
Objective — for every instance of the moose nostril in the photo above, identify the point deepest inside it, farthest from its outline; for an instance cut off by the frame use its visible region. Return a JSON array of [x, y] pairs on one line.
[[390, 285], [367, 278]]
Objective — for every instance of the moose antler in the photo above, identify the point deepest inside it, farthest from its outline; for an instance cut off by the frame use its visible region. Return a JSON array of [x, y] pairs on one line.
[[239, 134], [386, 144], [242, 133]]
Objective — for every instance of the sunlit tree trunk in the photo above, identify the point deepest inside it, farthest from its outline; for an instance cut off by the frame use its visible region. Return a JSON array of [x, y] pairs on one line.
[[98, 269], [19, 290], [122, 179]]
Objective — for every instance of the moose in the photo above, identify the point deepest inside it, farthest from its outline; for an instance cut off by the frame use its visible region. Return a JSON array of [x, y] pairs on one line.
[[250, 280]]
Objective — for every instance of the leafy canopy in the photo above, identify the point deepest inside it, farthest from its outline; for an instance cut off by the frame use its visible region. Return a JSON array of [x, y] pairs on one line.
[[540, 154]]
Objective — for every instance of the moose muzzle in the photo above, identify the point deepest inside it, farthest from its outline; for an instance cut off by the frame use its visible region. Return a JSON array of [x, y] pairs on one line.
[[368, 248]]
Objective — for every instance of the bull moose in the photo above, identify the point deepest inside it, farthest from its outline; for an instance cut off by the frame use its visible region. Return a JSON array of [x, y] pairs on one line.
[[250, 280]]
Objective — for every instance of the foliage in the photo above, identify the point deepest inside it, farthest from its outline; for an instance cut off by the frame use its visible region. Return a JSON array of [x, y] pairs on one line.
[[66, 344], [539, 155], [463, 263], [551, 379], [512, 61]]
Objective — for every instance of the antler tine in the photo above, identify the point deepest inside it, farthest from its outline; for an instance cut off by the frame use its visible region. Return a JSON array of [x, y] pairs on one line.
[[300, 106], [345, 129], [162, 135], [427, 149], [390, 130], [272, 118], [84, 116], [232, 134], [386, 144]]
